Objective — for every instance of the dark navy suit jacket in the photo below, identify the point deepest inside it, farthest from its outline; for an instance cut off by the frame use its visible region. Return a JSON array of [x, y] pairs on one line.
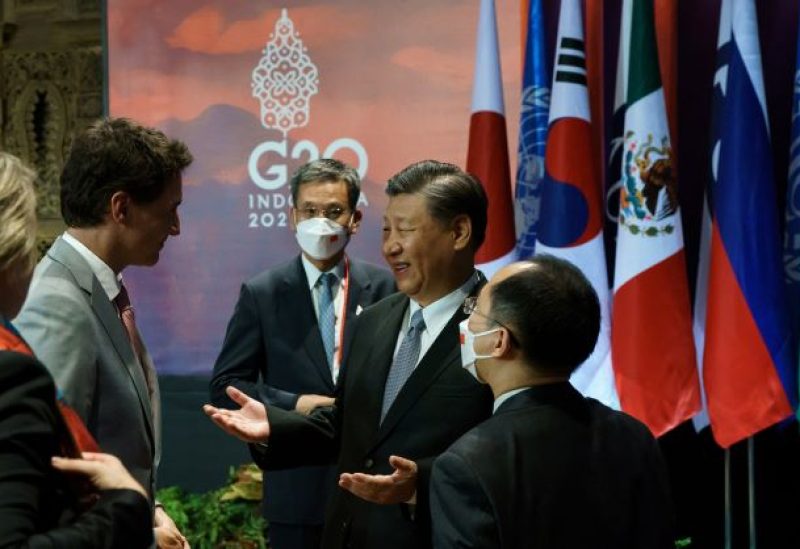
[[552, 469], [438, 403]]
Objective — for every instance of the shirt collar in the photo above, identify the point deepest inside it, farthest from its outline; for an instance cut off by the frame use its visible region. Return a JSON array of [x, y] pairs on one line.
[[312, 273], [108, 280], [505, 396], [439, 313]]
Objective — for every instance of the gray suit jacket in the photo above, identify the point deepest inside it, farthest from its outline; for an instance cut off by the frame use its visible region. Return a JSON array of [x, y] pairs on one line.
[[74, 329]]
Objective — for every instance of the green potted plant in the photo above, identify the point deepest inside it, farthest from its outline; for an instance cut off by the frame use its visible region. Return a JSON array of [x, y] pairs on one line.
[[227, 518]]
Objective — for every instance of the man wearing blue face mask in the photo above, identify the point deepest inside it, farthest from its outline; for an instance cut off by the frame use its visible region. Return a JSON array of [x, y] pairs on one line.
[[291, 329], [550, 468]]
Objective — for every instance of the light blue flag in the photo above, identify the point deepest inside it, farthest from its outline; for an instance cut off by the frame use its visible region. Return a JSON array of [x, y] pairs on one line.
[[532, 132]]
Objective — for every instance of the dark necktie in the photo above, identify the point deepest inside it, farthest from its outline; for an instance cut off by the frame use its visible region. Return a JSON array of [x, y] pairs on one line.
[[404, 362]]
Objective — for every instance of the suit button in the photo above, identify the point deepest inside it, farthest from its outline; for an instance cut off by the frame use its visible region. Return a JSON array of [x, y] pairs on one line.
[[369, 463]]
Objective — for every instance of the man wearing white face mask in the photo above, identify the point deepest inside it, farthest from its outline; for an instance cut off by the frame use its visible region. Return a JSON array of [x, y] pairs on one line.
[[291, 329], [550, 468], [404, 396]]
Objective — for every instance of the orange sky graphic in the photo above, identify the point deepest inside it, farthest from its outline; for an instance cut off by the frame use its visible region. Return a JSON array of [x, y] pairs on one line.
[[397, 78]]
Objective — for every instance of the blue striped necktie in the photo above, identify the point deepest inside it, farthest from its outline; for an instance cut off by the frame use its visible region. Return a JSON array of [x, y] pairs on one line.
[[327, 318], [404, 362]]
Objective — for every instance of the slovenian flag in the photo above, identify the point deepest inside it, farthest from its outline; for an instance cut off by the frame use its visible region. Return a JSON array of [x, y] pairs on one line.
[[571, 220], [533, 117], [651, 336], [748, 365], [487, 157]]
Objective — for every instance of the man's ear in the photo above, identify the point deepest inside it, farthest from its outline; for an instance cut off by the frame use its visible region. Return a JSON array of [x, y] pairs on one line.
[[293, 218], [502, 347], [120, 205], [461, 227], [356, 223]]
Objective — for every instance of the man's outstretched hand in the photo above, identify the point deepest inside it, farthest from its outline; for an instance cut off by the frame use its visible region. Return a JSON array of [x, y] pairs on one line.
[[249, 423], [399, 487]]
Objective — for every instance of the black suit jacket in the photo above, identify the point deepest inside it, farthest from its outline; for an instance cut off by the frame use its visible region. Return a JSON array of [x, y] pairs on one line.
[[438, 403], [37, 507], [273, 334], [553, 470]]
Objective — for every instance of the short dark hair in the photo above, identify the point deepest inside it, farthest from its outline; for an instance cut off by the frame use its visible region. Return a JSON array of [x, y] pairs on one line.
[[327, 170], [553, 312], [449, 191], [112, 155]]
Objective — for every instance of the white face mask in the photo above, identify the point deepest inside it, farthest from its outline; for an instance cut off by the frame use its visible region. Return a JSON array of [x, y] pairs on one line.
[[321, 238], [468, 355]]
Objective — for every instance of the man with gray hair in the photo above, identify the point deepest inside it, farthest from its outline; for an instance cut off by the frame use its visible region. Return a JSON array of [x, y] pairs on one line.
[[404, 397], [291, 329]]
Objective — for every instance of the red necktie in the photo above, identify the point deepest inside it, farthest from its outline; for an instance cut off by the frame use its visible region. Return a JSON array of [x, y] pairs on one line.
[[123, 302]]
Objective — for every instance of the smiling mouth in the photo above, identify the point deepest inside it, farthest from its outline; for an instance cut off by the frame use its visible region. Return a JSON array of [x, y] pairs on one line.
[[399, 268]]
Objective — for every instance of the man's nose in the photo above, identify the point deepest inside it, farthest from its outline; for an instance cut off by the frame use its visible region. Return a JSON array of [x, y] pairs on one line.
[[391, 246]]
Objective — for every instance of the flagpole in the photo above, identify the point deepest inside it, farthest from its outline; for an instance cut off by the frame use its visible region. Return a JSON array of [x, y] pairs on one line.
[[727, 498], [751, 490]]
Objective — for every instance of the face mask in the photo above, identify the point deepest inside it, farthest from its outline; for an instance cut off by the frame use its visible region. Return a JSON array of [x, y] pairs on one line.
[[468, 356], [321, 238]]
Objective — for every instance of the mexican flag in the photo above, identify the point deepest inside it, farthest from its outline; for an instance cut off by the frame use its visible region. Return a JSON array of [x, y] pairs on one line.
[[651, 331]]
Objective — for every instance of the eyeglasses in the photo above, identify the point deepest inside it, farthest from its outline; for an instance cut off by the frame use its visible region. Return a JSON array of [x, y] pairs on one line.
[[332, 213], [471, 307]]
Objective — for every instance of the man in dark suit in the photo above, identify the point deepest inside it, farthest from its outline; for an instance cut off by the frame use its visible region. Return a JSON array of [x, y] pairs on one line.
[[286, 330], [120, 190], [551, 468], [404, 398]]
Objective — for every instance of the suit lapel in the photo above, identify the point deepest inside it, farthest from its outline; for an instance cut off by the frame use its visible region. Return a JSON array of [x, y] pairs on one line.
[[444, 351], [359, 296], [107, 314], [297, 298], [441, 354], [379, 360]]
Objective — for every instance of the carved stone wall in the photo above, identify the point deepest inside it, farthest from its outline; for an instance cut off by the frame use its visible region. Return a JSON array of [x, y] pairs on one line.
[[51, 84]]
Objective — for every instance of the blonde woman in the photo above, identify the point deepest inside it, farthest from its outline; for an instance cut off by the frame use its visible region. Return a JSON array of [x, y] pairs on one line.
[[47, 500]]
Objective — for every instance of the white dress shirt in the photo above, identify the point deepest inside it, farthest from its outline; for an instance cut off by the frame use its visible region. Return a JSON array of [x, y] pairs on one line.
[[436, 316], [505, 396]]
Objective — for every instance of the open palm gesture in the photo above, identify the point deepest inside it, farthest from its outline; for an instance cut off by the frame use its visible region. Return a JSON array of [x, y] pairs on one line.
[[249, 423]]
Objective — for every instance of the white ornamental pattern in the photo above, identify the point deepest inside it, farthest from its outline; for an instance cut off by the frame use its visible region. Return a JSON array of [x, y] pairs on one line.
[[285, 79]]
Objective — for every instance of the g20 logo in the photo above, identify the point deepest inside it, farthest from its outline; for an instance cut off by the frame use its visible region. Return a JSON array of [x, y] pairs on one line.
[[276, 175]]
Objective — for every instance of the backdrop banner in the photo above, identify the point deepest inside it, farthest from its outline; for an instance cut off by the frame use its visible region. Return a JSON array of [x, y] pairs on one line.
[[258, 88]]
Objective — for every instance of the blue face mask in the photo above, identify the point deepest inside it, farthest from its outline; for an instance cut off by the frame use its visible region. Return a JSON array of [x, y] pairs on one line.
[[468, 355]]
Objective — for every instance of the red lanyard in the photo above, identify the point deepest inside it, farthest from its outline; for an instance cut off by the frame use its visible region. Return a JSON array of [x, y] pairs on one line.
[[344, 308]]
